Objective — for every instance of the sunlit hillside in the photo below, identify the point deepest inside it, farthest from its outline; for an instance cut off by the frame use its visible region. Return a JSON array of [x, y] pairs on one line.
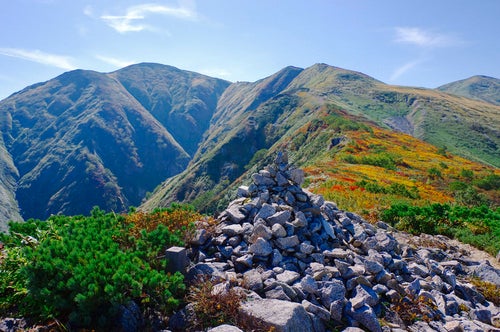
[[372, 168]]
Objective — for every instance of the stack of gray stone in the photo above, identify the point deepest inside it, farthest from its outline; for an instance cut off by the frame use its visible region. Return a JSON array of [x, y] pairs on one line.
[[311, 266]]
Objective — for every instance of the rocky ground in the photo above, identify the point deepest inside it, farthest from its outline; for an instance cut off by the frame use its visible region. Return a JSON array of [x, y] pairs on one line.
[[308, 266]]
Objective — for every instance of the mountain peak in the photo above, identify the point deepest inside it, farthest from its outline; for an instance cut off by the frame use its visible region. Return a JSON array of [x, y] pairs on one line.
[[478, 87]]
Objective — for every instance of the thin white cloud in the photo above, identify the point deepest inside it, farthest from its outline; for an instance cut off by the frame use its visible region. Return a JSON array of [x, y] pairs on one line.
[[134, 17], [54, 60], [216, 72], [404, 69], [119, 63], [423, 38]]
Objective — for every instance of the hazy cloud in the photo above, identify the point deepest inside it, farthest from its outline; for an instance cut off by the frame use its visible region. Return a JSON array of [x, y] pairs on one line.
[[55, 60], [119, 63], [423, 38], [134, 17], [404, 69]]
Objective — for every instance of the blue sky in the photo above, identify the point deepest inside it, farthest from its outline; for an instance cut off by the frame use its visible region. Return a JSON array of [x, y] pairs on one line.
[[423, 43]]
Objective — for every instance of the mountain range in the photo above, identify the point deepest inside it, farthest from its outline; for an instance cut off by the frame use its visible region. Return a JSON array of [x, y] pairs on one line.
[[152, 134]]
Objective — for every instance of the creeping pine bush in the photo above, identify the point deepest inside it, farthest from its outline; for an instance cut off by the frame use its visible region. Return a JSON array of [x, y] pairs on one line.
[[478, 226], [84, 268]]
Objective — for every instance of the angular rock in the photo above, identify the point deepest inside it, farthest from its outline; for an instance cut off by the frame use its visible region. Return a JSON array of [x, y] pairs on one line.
[[316, 310], [278, 230], [235, 214], [225, 328], [287, 242], [331, 291], [232, 230], [261, 247], [280, 217], [288, 277], [283, 316]]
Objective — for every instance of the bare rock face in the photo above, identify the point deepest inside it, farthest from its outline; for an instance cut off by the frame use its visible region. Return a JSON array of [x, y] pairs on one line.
[[313, 264]]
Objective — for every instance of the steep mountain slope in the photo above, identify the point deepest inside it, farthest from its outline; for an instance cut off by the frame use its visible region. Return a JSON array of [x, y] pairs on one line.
[[245, 128], [476, 87], [82, 139]]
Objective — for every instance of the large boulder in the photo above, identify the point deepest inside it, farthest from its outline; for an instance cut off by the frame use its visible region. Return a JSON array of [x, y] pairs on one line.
[[283, 316]]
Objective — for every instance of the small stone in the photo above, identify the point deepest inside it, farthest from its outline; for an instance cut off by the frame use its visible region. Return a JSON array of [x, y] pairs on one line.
[[253, 280], [278, 231], [332, 291], [261, 231], [261, 247], [373, 267], [232, 230], [287, 242], [261, 180], [482, 315], [243, 191], [225, 328], [235, 214], [265, 211], [316, 310], [288, 277], [336, 253], [277, 258], [309, 285], [245, 260], [277, 293], [306, 248], [280, 217], [297, 176], [281, 180], [200, 237]]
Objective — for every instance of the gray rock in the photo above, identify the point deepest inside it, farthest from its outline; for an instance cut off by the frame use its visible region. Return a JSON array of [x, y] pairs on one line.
[[232, 230], [316, 310], [287, 242], [203, 270], [280, 217], [367, 294], [482, 315], [225, 328], [336, 253], [253, 280], [373, 267], [328, 228], [182, 319], [284, 316], [365, 316], [262, 231], [336, 309], [245, 260], [306, 248], [277, 293], [200, 237], [281, 180], [309, 285], [265, 211], [288, 277], [278, 230], [261, 247], [296, 176], [277, 258], [235, 214], [486, 272], [418, 269], [261, 180], [332, 291]]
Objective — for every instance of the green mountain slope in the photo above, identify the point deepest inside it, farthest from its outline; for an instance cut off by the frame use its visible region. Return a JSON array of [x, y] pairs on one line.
[[82, 139], [476, 87], [247, 129]]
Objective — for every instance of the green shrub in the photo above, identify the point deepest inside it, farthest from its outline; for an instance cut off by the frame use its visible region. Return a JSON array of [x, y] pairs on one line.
[[478, 226], [489, 182], [84, 268]]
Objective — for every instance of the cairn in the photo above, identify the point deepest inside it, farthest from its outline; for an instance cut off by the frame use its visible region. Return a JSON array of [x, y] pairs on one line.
[[309, 264]]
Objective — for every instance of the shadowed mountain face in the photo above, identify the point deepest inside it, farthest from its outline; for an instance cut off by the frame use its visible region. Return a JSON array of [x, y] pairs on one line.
[[476, 87], [83, 139], [87, 138]]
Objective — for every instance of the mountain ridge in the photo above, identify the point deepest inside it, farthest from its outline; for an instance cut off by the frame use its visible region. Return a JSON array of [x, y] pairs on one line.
[[116, 136]]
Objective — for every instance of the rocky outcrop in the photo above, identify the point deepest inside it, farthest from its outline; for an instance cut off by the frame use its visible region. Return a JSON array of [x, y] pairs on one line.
[[313, 265]]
